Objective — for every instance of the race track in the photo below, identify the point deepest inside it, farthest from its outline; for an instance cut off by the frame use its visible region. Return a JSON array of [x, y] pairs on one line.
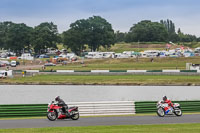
[[96, 121]]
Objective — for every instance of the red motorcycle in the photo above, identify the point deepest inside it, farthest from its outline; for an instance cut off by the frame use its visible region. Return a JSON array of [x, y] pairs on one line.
[[56, 112]]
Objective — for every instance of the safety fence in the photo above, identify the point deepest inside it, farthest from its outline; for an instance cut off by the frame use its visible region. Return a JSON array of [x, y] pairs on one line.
[[23, 110], [111, 71], [105, 72], [105, 108], [94, 108], [85, 109], [150, 106]]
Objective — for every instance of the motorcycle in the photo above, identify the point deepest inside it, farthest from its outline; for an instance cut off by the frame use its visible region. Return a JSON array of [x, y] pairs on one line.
[[55, 111], [164, 109]]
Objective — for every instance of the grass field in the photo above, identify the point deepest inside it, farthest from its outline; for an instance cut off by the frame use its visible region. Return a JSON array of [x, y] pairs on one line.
[[170, 128], [135, 46], [106, 80], [129, 64], [138, 47]]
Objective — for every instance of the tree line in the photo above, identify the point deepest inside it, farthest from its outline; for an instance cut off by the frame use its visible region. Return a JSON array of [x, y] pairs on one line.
[[147, 31], [20, 37], [93, 32]]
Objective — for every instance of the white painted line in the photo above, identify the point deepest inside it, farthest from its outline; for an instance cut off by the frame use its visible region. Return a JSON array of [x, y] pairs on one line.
[[65, 71], [33, 71], [174, 71], [99, 71], [133, 71]]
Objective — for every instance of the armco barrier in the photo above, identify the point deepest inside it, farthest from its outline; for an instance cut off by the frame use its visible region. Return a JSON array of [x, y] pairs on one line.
[[117, 71], [154, 70], [147, 72], [82, 71], [171, 71], [193, 71], [23, 110], [99, 71], [105, 108], [85, 109], [65, 71], [150, 107]]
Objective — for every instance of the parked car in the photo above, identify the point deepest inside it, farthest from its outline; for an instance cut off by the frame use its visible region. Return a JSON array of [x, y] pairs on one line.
[[49, 64], [44, 56], [4, 63], [13, 63], [26, 56], [37, 56]]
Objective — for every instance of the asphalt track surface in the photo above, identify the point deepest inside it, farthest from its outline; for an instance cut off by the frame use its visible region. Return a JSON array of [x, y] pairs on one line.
[[97, 121]]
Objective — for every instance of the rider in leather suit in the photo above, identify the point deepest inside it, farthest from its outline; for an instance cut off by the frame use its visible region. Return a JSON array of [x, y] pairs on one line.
[[62, 104], [169, 102]]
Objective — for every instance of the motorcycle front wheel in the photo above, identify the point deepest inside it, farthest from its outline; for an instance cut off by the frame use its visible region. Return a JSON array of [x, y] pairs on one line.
[[161, 112], [178, 112], [75, 115], [52, 116]]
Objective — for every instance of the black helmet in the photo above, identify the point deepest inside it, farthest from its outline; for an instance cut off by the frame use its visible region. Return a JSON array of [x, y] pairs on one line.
[[57, 98], [164, 98]]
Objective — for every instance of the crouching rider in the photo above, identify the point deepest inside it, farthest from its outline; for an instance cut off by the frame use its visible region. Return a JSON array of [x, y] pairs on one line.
[[62, 104], [169, 102]]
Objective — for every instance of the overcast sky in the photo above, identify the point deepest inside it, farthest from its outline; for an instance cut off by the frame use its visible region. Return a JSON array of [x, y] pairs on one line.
[[122, 14]]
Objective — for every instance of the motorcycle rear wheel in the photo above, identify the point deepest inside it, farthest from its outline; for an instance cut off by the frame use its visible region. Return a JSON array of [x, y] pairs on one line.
[[52, 116], [75, 116], [161, 112]]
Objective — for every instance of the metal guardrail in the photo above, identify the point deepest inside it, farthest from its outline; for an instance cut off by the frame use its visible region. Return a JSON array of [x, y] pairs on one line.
[[94, 108], [113, 72], [85, 109], [23, 110], [105, 108], [105, 71], [150, 106]]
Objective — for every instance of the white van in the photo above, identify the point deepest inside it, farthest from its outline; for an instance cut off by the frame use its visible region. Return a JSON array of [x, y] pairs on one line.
[[13, 63], [4, 74]]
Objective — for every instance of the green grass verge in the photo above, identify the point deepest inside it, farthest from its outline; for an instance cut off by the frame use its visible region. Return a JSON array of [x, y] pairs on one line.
[[106, 80], [172, 128]]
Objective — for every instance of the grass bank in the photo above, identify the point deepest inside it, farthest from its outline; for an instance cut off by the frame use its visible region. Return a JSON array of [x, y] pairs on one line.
[[129, 64], [172, 128], [105, 80], [135, 46]]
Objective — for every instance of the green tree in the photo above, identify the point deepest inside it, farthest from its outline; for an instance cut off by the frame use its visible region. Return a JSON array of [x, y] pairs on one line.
[[170, 27], [77, 36], [4, 27], [100, 33], [2, 36], [120, 36], [147, 31], [186, 37], [45, 36], [94, 32], [198, 39], [15, 37]]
